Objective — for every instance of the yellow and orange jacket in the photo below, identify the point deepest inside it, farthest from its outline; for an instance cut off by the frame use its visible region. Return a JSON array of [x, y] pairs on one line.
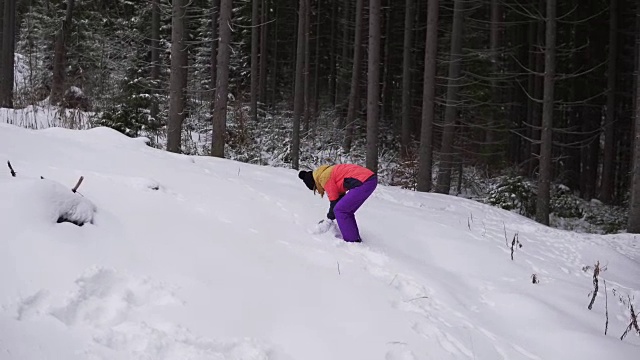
[[336, 180]]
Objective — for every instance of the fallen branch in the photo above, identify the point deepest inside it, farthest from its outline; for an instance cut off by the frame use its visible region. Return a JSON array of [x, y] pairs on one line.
[[596, 272], [633, 323], [338, 268], [534, 279], [13, 173], [75, 188]]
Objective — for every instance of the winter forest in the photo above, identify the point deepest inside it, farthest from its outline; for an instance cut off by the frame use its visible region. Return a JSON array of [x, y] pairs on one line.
[[529, 105]]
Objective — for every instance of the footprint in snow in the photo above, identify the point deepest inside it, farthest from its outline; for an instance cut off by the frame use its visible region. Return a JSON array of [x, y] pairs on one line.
[[107, 298]]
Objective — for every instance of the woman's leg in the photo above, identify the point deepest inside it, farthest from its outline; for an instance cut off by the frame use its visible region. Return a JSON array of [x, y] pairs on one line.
[[345, 209]]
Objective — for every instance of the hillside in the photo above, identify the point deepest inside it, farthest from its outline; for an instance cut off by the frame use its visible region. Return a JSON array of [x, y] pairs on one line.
[[202, 258]]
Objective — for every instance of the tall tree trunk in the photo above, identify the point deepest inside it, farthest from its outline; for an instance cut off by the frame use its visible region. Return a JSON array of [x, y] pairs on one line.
[[494, 45], [544, 179], [60, 57], [373, 85], [537, 94], [332, 57], [354, 98], [264, 56], [633, 225], [222, 85], [178, 77], [255, 46], [388, 66], [316, 56], [215, 24], [307, 64], [274, 57], [341, 88], [405, 132], [298, 100], [7, 49], [446, 156], [425, 165], [608, 176], [155, 56]]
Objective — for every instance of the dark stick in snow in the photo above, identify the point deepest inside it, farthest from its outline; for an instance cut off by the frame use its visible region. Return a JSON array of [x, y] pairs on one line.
[[75, 188], [13, 173]]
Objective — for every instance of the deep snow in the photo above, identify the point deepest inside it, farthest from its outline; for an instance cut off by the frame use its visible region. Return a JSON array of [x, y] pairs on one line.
[[203, 258]]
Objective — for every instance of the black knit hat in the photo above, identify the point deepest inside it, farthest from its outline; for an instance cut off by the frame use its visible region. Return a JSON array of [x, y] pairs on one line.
[[307, 177]]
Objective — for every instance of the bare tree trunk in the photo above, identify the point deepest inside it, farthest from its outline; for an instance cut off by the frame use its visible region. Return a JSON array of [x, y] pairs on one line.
[[537, 94], [608, 176], [446, 156], [7, 49], [255, 46], [341, 87], [405, 137], [332, 57], [355, 78], [494, 45], [215, 24], [274, 58], [264, 56], [60, 57], [633, 225], [425, 166], [155, 55], [316, 70], [544, 180], [307, 77], [298, 101], [178, 77], [373, 85], [222, 85]]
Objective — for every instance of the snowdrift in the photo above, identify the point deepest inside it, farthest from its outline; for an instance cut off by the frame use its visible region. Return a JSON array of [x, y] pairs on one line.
[[199, 258]]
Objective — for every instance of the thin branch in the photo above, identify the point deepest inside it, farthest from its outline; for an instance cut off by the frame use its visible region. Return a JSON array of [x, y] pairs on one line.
[[13, 173]]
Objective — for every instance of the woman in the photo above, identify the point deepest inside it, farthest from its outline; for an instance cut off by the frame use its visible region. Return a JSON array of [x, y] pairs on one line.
[[347, 187]]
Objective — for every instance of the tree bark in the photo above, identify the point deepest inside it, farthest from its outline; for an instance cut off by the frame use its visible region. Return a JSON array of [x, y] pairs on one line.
[[332, 57], [633, 225], [255, 46], [544, 179], [316, 64], [298, 101], [60, 57], [215, 24], [307, 76], [494, 45], [425, 165], [608, 168], [537, 94], [405, 132], [178, 77], [264, 56], [341, 87], [354, 98], [446, 156], [373, 85], [222, 85], [7, 50], [155, 55]]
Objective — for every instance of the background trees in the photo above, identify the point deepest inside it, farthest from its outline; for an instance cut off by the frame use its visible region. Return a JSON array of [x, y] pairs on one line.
[[436, 92]]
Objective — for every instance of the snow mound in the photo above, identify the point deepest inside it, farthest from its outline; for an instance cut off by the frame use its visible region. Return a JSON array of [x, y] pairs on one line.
[[45, 201]]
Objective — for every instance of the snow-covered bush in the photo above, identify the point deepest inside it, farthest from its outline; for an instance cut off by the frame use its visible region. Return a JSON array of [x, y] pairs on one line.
[[610, 219], [514, 193], [564, 204]]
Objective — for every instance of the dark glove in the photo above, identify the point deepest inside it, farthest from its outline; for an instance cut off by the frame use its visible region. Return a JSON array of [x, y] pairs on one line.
[[332, 204]]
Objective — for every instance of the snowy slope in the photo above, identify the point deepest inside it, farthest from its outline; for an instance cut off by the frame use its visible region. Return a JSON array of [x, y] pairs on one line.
[[203, 258]]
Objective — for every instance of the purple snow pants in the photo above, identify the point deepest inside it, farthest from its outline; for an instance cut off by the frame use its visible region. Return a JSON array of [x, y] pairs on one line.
[[345, 209]]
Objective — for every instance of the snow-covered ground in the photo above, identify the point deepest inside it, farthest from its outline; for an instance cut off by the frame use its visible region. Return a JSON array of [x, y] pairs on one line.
[[200, 258]]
